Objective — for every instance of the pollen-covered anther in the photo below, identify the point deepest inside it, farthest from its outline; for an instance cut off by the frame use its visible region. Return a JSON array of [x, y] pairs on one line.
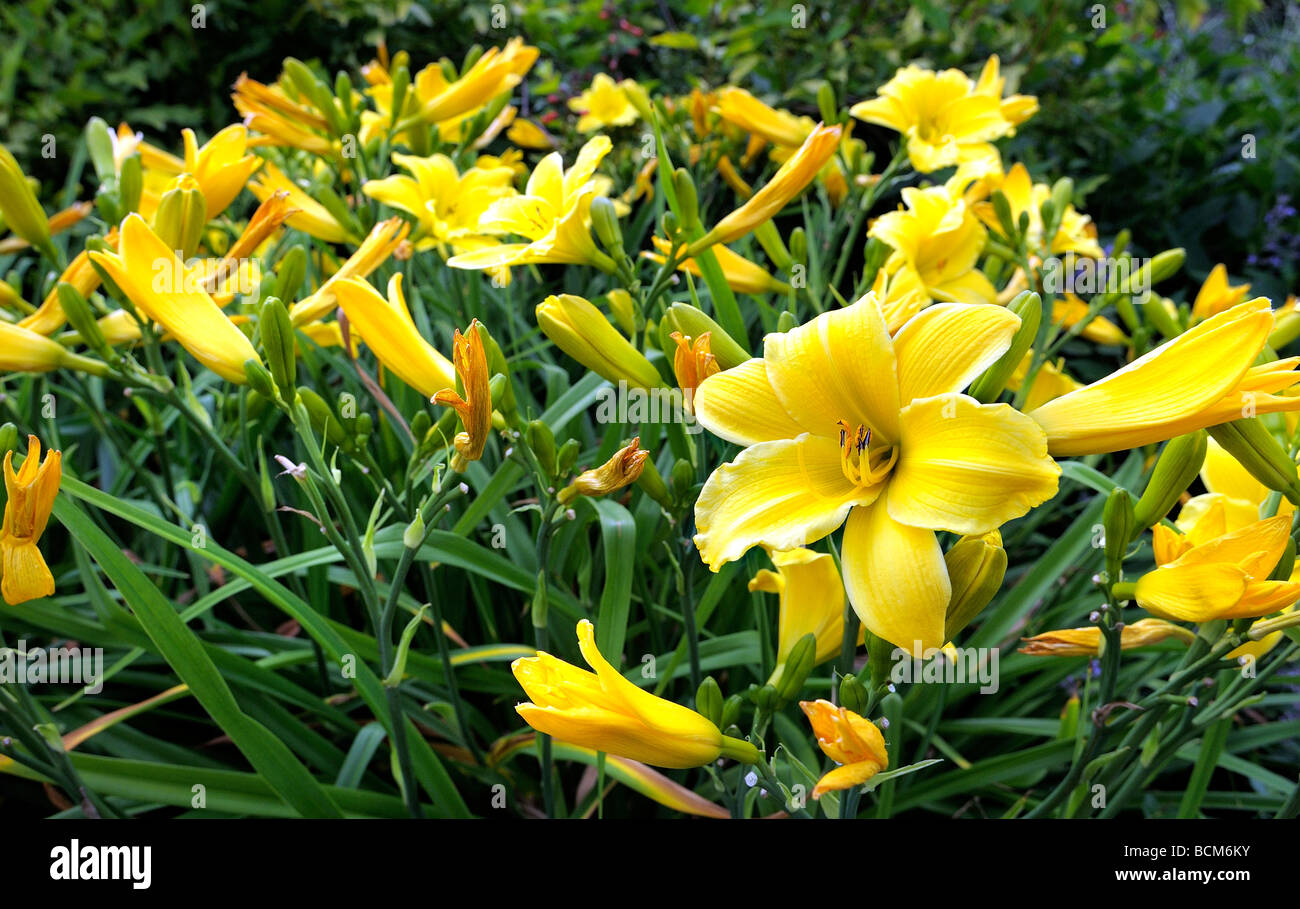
[[865, 459]]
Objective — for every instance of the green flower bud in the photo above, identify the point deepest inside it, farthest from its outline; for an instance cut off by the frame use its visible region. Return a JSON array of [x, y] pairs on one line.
[[259, 379], [290, 273], [799, 246], [542, 441], [8, 439], [1255, 449], [1120, 524], [976, 566], [322, 416], [687, 199], [786, 321], [826, 105], [652, 484], [82, 320], [692, 323], [566, 457], [1029, 307], [99, 142], [604, 220], [130, 185], [790, 676], [1002, 209], [1175, 469], [853, 696], [731, 711], [181, 216], [708, 701], [278, 346], [682, 479]]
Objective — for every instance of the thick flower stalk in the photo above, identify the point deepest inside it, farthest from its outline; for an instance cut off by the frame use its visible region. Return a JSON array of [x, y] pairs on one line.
[[31, 494], [841, 421], [604, 711]]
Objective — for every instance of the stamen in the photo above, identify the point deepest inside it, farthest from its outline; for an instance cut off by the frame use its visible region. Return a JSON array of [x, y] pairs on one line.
[[862, 464]]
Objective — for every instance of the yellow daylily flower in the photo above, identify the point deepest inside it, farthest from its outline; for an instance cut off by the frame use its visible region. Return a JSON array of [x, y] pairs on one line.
[[1201, 378], [1070, 311], [1207, 574], [580, 330], [622, 469], [220, 167], [309, 216], [901, 295], [735, 105], [849, 740], [497, 70], [841, 421], [169, 298], [266, 220], [49, 316], [475, 408], [527, 134], [1016, 109], [388, 330], [1255, 649], [1050, 382], [812, 602], [31, 498], [1234, 486], [1076, 233], [553, 213], [604, 711], [1217, 295], [23, 350], [741, 275], [603, 104], [938, 237], [945, 119], [790, 179], [384, 239], [281, 120], [1088, 641]]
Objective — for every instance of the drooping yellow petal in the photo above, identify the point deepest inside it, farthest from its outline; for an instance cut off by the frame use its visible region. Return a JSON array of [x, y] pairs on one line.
[[896, 579]]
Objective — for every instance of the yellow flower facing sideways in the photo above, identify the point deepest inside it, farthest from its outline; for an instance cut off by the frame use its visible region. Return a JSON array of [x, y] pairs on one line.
[[159, 285], [1016, 109], [388, 330], [382, 241], [496, 71], [309, 216], [741, 275], [1076, 234], [604, 711], [1206, 574], [603, 104], [841, 421], [553, 213], [938, 237], [945, 117], [853, 742], [31, 494], [812, 602], [1217, 295], [1201, 378], [220, 167]]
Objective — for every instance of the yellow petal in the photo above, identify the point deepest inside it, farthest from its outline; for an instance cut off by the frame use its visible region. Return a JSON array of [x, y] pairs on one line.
[[387, 329], [968, 467], [971, 338], [781, 494], [896, 579], [740, 405], [1191, 593]]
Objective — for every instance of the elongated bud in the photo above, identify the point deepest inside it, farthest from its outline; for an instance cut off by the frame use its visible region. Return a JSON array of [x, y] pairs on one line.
[[542, 442], [82, 319], [1165, 265], [566, 457], [619, 471], [1160, 317], [770, 239], [130, 185], [874, 258], [18, 205], [99, 142], [1002, 209], [1255, 449], [682, 479], [290, 273], [1287, 330], [708, 701], [259, 379], [731, 711], [853, 696], [323, 418], [670, 225], [789, 677], [278, 346], [687, 199], [1062, 195], [826, 105], [1120, 524], [651, 482], [604, 220], [1029, 307], [976, 567], [181, 215], [623, 308], [693, 323], [8, 439], [639, 99], [799, 246], [1175, 469], [582, 331], [786, 321], [413, 535]]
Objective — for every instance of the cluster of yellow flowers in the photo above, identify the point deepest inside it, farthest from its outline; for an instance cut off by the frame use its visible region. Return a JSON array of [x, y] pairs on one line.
[[884, 415]]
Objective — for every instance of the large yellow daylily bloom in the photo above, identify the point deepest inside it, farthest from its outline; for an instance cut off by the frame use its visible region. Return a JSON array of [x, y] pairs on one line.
[[944, 118], [604, 711], [603, 104], [1217, 295], [553, 213], [158, 284], [853, 742], [1200, 378], [1076, 233], [281, 120], [220, 167], [812, 602], [447, 205], [1206, 574], [842, 421], [940, 239], [387, 328], [382, 241], [31, 494]]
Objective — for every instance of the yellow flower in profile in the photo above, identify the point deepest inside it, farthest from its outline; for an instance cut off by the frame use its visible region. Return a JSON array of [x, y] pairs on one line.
[[741, 275], [1217, 295], [309, 216], [553, 213], [623, 469], [735, 105], [1016, 109], [281, 120], [841, 421], [945, 119], [527, 134], [220, 167], [849, 740], [31, 498], [603, 104], [580, 330], [812, 602], [159, 285], [604, 711], [496, 71], [382, 242], [1201, 378], [49, 316], [23, 350], [790, 179], [938, 237], [1070, 310], [1076, 233], [1088, 641], [475, 408], [1202, 575], [20, 211], [388, 330]]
